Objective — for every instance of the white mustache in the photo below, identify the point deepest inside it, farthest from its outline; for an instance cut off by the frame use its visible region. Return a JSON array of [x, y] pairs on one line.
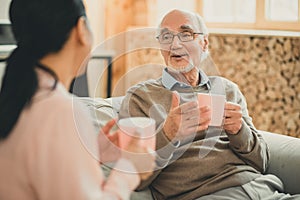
[[181, 69]]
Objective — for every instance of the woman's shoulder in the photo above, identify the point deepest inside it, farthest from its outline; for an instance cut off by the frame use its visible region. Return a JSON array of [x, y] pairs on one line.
[[51, 107]]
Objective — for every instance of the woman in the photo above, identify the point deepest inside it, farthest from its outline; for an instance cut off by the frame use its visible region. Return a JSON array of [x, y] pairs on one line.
[[42, 156]]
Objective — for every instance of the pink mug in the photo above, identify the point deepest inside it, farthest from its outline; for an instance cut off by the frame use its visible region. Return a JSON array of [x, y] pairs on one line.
[[217, 104]]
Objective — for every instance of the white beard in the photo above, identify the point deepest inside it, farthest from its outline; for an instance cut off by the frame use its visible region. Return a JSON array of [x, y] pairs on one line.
[[182, 69], [190, 66], [204, 55]]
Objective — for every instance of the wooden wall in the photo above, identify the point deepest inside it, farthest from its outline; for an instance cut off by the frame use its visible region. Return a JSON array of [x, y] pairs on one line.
[[120, 16]]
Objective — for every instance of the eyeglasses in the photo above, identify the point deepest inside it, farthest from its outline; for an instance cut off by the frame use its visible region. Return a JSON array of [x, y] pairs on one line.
[[185, 36]]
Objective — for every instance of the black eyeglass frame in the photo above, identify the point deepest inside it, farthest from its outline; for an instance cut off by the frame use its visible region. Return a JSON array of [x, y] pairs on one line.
[[178, 35]]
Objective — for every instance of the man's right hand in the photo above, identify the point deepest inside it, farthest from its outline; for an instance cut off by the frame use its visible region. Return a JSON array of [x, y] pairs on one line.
[[185, 119]]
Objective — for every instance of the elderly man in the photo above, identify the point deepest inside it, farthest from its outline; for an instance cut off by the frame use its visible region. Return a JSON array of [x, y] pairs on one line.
[[196, 160]]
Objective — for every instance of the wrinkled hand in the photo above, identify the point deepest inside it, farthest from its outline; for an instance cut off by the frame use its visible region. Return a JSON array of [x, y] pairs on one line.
[[233, 118], [185, 119]]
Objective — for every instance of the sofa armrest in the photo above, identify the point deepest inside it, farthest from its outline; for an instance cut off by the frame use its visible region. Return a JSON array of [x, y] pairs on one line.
[[284, 160]]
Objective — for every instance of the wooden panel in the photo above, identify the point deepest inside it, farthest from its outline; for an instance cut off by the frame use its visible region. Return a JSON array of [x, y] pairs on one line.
[[120, 15]]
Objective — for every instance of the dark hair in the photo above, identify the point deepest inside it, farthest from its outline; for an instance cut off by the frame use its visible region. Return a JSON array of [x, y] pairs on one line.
[[40, 27]]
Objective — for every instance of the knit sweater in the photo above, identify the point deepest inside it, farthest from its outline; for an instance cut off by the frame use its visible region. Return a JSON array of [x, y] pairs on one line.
[[182, 172]]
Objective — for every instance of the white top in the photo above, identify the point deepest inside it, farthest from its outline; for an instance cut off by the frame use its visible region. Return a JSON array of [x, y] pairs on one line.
[[46, 157]]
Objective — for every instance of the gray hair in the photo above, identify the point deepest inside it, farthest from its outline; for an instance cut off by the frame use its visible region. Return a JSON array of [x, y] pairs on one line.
[[199, 21], [201, 24]]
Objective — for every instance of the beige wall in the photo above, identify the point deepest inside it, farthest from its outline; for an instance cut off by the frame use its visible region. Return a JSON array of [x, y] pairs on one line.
[[95, 69], [4, 9]]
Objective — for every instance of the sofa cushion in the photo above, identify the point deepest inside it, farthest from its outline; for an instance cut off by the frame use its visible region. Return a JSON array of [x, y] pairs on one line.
[[102, 110], [284, 159]]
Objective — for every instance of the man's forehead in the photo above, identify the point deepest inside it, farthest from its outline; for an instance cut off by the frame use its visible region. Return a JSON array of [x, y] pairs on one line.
[[180, 28], [178, 21]]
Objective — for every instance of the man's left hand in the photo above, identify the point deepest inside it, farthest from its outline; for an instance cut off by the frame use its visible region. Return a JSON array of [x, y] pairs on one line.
[[233, 118]]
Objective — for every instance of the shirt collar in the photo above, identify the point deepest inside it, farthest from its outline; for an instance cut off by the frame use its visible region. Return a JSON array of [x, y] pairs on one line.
[[169, 81]]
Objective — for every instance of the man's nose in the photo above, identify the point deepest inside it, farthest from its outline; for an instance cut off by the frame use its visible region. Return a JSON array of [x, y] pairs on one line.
[[176, 43]]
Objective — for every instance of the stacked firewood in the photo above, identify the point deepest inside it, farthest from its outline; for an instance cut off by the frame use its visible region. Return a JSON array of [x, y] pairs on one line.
[[267, 70]]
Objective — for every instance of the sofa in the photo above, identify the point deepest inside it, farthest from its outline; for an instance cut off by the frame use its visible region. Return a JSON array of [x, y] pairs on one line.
[[285, 150]]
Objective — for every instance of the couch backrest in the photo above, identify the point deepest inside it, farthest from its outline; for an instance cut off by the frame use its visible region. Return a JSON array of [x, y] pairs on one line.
[[102, 110]]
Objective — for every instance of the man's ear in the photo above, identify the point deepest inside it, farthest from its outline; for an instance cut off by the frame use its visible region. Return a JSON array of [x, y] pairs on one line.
[[82, 31], [205, 43]]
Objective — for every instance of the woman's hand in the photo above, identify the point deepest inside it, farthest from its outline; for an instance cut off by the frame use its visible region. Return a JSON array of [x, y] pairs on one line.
[[109, 143], [141, 157]]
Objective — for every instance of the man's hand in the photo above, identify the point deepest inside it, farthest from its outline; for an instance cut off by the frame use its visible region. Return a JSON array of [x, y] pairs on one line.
[[185, 119], [233, 118]]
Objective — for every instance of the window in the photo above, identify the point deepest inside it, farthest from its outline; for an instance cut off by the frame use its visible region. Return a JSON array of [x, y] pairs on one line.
[[229, 11], [282, 10], [254, 14]]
